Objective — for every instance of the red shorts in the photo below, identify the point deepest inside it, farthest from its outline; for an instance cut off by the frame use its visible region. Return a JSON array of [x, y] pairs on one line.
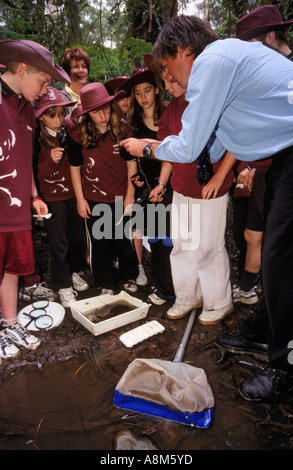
[[17, 253]]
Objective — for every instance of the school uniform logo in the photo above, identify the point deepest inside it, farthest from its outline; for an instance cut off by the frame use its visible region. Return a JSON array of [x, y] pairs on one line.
[[5, 148], [51, 94]]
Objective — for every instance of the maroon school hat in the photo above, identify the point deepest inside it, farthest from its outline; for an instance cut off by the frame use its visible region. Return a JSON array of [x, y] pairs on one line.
[[113, 84], [139, 75], [94, 96], [149, 62], [52, 98], [260, 21], [31, 53]]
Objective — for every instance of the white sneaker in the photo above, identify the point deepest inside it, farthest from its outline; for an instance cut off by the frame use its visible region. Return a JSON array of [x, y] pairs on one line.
[[212, 317], [245, 297], [7, 347], [67, 296], [141, 279], [36, 291], [22, 337], [78, 282], [130, 286], [155, 299], [180, 311], [107, 291]]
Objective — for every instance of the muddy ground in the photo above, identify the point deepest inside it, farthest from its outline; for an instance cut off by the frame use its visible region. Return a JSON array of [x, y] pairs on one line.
[[60, 396]]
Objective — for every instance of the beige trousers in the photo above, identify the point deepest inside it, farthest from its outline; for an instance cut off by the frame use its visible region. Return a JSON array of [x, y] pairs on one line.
[[199, 260]]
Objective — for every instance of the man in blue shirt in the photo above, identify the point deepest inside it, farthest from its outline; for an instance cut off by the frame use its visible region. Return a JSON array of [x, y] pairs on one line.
[[245, 91]]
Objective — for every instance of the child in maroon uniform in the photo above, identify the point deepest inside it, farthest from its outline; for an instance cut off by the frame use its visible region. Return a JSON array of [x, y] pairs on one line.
[[143, 115], [94, 148], [65, 229], [29, 69]]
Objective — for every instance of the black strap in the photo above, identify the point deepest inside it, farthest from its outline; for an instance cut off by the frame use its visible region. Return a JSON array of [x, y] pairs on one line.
[[204, 170]]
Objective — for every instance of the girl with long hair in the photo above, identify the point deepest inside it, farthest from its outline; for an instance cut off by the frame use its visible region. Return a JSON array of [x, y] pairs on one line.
[[65, 229], [101, 181], [144, 113]]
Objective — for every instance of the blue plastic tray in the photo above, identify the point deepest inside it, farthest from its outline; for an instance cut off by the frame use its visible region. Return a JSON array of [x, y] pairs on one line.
[[200, 420]]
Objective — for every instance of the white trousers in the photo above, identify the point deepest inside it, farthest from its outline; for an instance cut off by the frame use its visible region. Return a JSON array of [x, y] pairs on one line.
[[199, 260]]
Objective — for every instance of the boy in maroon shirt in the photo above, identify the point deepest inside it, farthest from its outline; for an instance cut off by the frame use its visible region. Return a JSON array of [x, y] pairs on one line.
[[29, 69]]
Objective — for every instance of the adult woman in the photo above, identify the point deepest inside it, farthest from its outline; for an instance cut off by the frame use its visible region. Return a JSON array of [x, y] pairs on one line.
[[77, 65]]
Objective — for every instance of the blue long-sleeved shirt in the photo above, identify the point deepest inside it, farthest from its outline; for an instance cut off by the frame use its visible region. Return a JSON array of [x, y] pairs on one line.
[[245, 90]]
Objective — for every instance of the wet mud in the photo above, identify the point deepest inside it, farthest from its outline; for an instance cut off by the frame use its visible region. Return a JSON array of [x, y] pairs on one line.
[[60, 396]]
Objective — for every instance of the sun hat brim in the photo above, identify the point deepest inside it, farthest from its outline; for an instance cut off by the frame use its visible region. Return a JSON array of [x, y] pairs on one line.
[[80, 109], [145, 76], [44, 108], [33, 54]]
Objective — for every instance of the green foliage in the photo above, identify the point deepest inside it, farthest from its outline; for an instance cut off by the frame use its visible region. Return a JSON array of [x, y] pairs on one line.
[[59, 24], [107, 63], [138, 17], [225, 13], [136, 48], [122, 24]]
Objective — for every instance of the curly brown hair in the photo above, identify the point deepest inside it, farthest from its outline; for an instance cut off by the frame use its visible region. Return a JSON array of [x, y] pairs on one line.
[[91, 136]]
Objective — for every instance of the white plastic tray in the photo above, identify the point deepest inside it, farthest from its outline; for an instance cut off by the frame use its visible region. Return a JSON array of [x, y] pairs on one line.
[[81, 308], [142, 332]]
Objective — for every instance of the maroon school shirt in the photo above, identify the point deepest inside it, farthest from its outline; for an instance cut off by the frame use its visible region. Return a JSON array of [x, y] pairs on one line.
[[54, 179], [104, 171], [17, 127], [183, 178]]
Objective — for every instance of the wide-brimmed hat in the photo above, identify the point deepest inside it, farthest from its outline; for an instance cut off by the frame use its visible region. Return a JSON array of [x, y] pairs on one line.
[[31, 53], [260, 21], [52, 98], [94, 96], [139, 75], [149, 62], [113, 84], [77, 112]]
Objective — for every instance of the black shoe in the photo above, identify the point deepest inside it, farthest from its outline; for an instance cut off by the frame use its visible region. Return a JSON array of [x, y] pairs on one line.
[[238, 345], [272, 385]]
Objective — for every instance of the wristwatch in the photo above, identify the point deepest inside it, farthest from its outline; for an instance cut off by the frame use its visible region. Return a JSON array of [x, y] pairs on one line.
[[147, 151]]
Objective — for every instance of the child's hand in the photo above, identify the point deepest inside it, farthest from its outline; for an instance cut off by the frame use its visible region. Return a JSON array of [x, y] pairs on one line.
[[246, 177], [57, 154], [157, 194], [83, 208], [40, 207], [212, 187]]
